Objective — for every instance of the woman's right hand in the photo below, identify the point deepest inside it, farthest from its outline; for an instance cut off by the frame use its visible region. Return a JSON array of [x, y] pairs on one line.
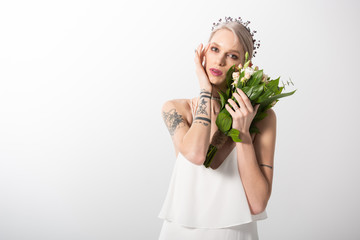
[[200, 69]]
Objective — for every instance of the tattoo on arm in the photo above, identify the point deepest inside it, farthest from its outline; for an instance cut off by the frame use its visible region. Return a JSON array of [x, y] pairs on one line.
[[204, 91], [203, 123], [202, 107], [261, 164], [172, 120]]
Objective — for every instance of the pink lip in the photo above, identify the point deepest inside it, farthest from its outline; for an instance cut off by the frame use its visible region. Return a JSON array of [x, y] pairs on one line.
[[216, 72]]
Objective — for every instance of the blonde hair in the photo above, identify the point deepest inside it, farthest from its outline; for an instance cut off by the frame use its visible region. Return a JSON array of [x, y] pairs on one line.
[[242, 34]]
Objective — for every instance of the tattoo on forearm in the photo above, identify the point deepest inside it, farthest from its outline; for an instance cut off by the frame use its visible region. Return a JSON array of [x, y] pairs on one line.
[[173, 120], [202, 122], [202, 107], [204, 91], [261, 164], [202, 118], [205, 96]]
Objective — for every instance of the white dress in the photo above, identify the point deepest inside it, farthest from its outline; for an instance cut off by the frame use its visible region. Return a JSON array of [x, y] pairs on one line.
[[203, 203]]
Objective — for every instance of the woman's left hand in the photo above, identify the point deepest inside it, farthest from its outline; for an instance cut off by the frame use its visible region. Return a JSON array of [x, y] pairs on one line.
[[243, 116]]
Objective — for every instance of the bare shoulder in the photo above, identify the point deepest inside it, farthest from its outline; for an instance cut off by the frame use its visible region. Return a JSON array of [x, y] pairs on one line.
[[267, 128], [177, 108], [268, 121]]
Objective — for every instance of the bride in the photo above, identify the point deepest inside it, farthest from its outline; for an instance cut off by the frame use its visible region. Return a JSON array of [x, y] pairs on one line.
[[191, 124]]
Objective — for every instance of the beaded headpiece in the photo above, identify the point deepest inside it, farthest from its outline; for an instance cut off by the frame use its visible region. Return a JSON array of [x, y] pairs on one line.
[[245, 24]]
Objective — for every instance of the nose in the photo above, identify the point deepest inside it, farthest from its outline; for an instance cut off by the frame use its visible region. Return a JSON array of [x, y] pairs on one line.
[[221, 60]]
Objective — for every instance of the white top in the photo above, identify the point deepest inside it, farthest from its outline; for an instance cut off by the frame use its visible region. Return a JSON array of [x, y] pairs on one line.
[[202, 197]]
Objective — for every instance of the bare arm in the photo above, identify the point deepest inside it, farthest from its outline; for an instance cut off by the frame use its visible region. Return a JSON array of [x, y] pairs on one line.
[[256, 163], [192, 141]]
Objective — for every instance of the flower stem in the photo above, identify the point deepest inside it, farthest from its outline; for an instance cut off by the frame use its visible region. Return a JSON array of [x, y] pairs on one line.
[[210, 155]]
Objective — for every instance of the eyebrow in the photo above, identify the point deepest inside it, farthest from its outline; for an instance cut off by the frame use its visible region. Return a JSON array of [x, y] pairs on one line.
[[231, 50]]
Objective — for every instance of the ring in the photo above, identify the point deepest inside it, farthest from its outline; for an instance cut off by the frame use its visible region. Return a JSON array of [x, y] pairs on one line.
[[236, 109]]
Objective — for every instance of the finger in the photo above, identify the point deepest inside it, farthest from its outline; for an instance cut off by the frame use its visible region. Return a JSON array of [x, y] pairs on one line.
[[245, 99], [198, 54], [233, 104], [196, 58], [229, 109], [203, 52], [197, 49], [200, 47], [238, 98], [206, 48]]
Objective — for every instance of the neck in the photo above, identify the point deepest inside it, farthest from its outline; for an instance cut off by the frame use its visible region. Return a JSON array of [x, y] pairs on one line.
[[215, 107], [216, 89]]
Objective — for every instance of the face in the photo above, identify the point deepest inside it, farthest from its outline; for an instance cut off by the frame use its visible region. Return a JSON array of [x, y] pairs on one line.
[[224, 51]]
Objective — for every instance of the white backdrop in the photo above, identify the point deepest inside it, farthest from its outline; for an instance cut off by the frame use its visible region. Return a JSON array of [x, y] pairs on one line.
[[84, 152]]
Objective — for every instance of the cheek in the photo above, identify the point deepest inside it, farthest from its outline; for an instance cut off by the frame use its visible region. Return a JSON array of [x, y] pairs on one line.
[[208, 58], [208, 55], [237, 62]]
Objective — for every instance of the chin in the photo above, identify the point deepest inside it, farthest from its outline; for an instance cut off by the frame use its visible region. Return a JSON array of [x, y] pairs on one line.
[[216, 80]]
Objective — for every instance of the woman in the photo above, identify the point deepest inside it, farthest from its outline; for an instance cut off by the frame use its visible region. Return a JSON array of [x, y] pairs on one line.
[[225, 200]]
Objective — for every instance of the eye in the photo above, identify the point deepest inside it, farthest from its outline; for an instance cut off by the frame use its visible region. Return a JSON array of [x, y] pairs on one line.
[[233, 56], [212, 48]]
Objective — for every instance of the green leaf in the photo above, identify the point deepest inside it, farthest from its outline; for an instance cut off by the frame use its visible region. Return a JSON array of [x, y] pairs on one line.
[[265, 95], [254, 129], [234, 134], [269, 106], [224, 120], [247, 90], [260, 116], [229, 73], [279, 90], [256, 78], [223, 98], [257, 90], [228, 93], [273, 85], [273, 98]]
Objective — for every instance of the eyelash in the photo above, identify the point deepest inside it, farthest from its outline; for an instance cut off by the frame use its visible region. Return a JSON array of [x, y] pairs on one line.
[[230, 54]]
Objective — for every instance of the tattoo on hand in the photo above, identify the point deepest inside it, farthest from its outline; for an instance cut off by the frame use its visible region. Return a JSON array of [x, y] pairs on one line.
[[172, 120]]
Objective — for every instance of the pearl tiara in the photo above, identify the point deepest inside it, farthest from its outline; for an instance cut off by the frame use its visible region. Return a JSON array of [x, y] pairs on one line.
[[245, 24]]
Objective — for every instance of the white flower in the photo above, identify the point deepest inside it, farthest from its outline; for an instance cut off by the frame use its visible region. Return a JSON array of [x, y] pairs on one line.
[[265, 78], [247, 75], [236, 75], [239, 66], [249, 70], [243, 79], [235, 83]]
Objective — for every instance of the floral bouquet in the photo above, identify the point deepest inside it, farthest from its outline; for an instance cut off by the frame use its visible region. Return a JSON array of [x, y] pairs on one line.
[[259, 89]]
